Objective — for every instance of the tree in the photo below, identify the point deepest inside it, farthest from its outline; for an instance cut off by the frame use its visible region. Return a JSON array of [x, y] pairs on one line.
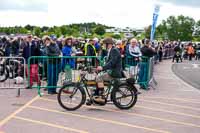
[[147, 31], [29, 27], [100, 30], [57, 31], [176, 28], [197, 28], [134, 33], [116, 36], [44, 29], [63, 30], [23, 30], [37, 31]]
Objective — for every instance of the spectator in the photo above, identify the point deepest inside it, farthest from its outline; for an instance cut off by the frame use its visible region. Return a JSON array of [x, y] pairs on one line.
[[96, 44], [15, 47], [148, 52], [160, 51], [53, 52], [43, 61], [90, 51], [118, 46], [133, 51], [132, 56], [190, 51], [122, 52], [67, 51], [29, 50], [7, 46], [103, 52]]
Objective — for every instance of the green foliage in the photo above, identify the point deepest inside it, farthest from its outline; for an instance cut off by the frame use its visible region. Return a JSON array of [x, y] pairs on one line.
[[196, 39], [197, 30], [147, 31], [173, 28], [83, 29], [176, 28], [116, 36], [134, 33], [99, 30], [37, 31], [63, 30]]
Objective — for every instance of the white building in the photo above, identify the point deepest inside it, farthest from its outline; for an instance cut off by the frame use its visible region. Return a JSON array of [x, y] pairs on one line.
[[125, 30]]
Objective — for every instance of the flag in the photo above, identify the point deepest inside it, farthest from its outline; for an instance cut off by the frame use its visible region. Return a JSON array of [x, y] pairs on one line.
[[155, 18]]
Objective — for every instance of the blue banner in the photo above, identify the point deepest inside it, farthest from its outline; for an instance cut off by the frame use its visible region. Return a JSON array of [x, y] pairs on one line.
[[155, 18]]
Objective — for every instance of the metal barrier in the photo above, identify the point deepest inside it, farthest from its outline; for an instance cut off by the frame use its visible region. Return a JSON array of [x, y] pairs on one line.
[[141, 70], [50, 72], [151, 79], [12, 73], [132, 67], [168, 53]]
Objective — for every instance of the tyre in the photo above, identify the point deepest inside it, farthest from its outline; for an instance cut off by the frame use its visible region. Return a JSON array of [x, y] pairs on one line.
[[13, 65], [4, 72], [124, 96], [71, 97]]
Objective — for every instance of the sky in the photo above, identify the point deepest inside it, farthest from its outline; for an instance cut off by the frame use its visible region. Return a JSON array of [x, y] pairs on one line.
[[118, 13]]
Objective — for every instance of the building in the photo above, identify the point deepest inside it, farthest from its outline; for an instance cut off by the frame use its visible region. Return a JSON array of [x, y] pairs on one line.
[[124, 30]]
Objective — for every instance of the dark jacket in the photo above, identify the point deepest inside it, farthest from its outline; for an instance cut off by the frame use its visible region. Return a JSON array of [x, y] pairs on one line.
[[104, 53], [148, 52], [177, 49], [114, 63], [33, 50], [15, 47], [90, 50], [53, 50]]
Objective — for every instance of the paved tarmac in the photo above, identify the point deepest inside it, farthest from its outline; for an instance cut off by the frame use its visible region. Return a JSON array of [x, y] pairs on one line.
[[189, 71], [173, 107]]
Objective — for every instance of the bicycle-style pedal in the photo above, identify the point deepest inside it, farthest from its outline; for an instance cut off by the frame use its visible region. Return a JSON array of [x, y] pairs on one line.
[[89, 102]]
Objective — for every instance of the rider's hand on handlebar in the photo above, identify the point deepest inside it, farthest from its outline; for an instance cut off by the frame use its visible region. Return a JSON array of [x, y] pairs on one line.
[[99, 68]]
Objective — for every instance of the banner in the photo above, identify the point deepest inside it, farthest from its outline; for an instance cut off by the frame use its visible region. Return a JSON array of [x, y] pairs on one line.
[[155, 18]]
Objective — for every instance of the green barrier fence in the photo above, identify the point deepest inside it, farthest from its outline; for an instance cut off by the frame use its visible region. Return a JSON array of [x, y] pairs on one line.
[[50, 72], [141, 69]]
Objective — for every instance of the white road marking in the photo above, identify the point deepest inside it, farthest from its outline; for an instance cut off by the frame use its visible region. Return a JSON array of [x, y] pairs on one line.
[[195, 66]]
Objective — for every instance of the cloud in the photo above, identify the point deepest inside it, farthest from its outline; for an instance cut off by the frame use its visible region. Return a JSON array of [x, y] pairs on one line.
[[118, 13], [24, 5], [189, 3]]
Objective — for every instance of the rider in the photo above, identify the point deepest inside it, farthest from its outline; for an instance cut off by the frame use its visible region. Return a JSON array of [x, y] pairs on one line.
[[113, 67]]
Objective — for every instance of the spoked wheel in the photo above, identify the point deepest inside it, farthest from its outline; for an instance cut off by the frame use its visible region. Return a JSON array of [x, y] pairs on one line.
[[71, 97], [13, 68], [124, 97], [4, 73]]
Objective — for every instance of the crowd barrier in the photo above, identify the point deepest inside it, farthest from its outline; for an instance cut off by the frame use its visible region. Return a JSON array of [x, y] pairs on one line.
[[142, 70], [51, 72], [168, 53], [12, 73]]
